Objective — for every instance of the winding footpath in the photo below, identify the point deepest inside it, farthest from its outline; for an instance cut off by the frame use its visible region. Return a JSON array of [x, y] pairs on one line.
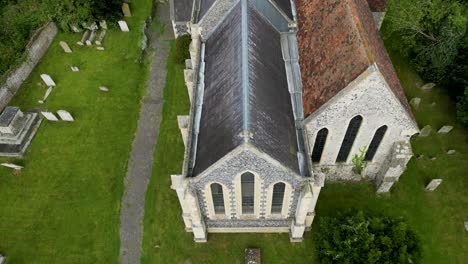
[[141, 158]]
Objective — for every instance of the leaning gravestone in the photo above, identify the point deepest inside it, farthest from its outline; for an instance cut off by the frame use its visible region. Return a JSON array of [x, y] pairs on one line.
[[84, 38], [12, 166], [428, 86], [415, 102], [123, 26], [48, 80], [75, 69], [433, 184], [103, 89], [65, 116], [451, 152], [466, 226], [103, 24], [89, 42], [49, 116], [425, 131], [47, 93], [445, 129], [65, 47], [126, 10], [100, 39], [252, 256], [2, 259]]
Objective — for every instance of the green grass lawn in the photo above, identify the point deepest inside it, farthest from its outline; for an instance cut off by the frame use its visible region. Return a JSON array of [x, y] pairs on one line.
[[437, 217], [64, 206]]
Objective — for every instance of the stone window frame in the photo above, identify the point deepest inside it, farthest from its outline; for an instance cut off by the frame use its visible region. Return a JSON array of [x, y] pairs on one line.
[[288, 190], [354, 143], [324, 145], [210, 204], [257, 195]]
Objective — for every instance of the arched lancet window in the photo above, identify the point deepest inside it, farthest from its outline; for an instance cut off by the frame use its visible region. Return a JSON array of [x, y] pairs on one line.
[[248, 192], [277, 198], [319, 144], [374, 145], [349, 138], [218, 198]]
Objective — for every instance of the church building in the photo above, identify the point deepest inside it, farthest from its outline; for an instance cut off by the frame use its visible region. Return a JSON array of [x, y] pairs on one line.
[[283, 94]]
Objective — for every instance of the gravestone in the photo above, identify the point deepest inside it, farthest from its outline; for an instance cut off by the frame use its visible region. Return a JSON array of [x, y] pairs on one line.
[[252, 256], [445, 129], [49, 116], [126, 10], [40, 101], [451, 152], [103, 89], [425, 131], [103, 24], [100, 39], [12, 166], [65, 47], [48, 80], [100, 48], [466, 226], [89, 42], [415, 102], [428, 86], [123, 26], [2, 259], [65, 116], [17, 130], [75, 69], [84, 38], [433, 184], [47, 93]]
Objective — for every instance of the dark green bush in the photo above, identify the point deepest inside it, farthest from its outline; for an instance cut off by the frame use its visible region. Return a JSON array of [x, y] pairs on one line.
[[462, 108], [182, 49], [366, 239]]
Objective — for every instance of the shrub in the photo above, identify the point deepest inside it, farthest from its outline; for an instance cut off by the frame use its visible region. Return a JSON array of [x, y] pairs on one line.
[[182, 49], [359, 160], [366, 239], [462, 108]]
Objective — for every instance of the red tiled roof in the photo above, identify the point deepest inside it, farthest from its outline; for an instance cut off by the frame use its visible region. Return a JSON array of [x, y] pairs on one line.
[[338, 40], [377, 5]]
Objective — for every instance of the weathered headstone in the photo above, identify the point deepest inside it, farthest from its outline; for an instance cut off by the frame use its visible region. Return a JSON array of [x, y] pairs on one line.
[[415, 102], [48, 80], [253, 256], [75, 29], [65, 47], [2, 259], [433, 184], [12, 166], [47, 93], [466, 226], [425, 131], [103, 24], [103, 89], [100, 39], [445, 129], [49, 116], [89, 42], [451, 152], [123, 26], [433, 104], [428, 86], [84, 38], [65, 116], [126, 10], [40, 101], [100, 48], [75, 69]]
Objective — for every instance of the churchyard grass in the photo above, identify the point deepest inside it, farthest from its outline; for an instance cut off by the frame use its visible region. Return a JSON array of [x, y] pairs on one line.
[[437, 217], [63, 207]]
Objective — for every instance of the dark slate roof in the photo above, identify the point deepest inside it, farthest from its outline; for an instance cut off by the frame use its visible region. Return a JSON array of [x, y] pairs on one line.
[[8, 115], [204, 7], [183, 10], [338, 40], [245, 90], [285, 6]]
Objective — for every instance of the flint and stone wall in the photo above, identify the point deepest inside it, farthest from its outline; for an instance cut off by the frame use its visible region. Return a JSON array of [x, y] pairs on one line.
[[37, 47], [370, 97]]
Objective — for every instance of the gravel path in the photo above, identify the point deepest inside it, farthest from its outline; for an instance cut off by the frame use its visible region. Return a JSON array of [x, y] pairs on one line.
[[141, 158]]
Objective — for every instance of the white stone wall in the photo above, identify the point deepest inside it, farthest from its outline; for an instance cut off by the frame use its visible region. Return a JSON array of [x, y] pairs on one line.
[[370, 97]]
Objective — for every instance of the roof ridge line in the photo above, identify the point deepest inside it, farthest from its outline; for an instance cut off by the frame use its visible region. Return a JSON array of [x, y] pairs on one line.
[[245, 67]]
